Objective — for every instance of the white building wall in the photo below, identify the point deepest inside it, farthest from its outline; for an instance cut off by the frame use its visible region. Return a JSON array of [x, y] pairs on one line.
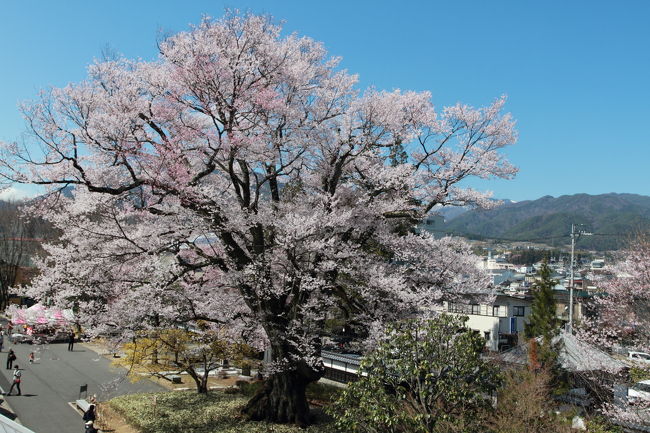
[[497, 321], [484, 324]]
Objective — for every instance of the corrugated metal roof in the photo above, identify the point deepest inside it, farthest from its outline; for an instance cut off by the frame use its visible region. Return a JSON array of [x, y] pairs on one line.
[[575, 355], [342, 357]]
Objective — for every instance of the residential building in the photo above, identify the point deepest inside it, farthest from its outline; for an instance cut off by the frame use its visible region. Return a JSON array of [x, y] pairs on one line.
[[501, 322], [597, 264]]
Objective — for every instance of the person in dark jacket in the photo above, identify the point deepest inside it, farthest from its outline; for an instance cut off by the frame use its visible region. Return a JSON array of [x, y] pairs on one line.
[[11, 357], [90, 428], [71, 342], [90, 414]]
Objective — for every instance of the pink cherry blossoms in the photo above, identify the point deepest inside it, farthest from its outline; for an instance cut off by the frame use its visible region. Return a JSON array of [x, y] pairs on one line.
[[242, 179]]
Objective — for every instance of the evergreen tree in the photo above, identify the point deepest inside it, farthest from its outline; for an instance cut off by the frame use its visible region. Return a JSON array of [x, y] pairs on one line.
[[543, 321], [543, 325]]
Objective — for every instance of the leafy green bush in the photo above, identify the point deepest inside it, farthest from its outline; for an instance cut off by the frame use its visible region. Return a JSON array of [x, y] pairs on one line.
[[190, 412], [638, 374], [424, 377], [601, 425]]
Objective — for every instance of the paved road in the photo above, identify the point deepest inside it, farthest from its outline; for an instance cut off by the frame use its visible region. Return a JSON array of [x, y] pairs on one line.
[[53, 381]]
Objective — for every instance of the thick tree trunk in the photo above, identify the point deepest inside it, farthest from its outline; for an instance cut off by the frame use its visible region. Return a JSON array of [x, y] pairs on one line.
[[202, 388], [200, 381], [282, 399]]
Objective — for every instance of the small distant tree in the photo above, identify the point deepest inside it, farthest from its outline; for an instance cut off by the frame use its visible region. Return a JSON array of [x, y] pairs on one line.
[[178, 350], [543, 320], [425, 376]]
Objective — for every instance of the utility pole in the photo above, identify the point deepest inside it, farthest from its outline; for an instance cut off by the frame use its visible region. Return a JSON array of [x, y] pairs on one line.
[[574, 237], [573, 249]]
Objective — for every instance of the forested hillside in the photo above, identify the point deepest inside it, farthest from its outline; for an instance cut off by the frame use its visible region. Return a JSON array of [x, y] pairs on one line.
[[613, 218]]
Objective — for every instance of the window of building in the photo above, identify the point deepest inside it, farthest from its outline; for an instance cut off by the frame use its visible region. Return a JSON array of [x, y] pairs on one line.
[[518, 311], [495, 310], [476, 309], [486, 334]]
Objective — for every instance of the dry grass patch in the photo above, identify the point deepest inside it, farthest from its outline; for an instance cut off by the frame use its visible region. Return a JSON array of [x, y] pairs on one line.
[[190, 412]]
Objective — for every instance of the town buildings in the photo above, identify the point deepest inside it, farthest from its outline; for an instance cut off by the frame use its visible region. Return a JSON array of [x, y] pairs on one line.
[[501, 322]]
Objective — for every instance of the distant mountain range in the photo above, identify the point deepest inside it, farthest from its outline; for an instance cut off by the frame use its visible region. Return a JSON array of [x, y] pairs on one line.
[[612, 218]]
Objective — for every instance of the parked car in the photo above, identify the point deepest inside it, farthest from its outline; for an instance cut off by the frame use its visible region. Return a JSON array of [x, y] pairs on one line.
[[639, 356], [17, 337], [640, 391]]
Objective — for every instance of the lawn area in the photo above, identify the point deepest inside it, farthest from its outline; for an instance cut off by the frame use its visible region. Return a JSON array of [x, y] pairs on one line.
[[216, 412]]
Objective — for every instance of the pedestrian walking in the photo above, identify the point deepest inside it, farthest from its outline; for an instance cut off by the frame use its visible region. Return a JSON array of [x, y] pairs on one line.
[[90, 428], [11, 357], [31, 357], [71, 342], [90, 414], [17, 378], [2, 339]]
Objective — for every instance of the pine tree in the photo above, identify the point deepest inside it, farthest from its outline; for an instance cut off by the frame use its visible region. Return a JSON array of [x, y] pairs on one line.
[[543, 321], [542, 327]]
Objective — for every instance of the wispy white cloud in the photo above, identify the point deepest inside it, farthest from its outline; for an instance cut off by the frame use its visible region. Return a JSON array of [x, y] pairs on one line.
[[16, 194]]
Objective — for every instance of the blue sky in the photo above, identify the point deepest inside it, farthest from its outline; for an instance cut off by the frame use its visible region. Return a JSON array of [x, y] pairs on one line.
[[577, 73]]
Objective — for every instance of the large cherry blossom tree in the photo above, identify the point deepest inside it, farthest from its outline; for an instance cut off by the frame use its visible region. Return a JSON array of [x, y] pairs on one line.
[[242, 179]]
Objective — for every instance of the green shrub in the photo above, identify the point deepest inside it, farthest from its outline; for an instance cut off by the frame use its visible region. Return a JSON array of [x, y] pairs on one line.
[[638, 374], [601, 425], [425, 376]]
